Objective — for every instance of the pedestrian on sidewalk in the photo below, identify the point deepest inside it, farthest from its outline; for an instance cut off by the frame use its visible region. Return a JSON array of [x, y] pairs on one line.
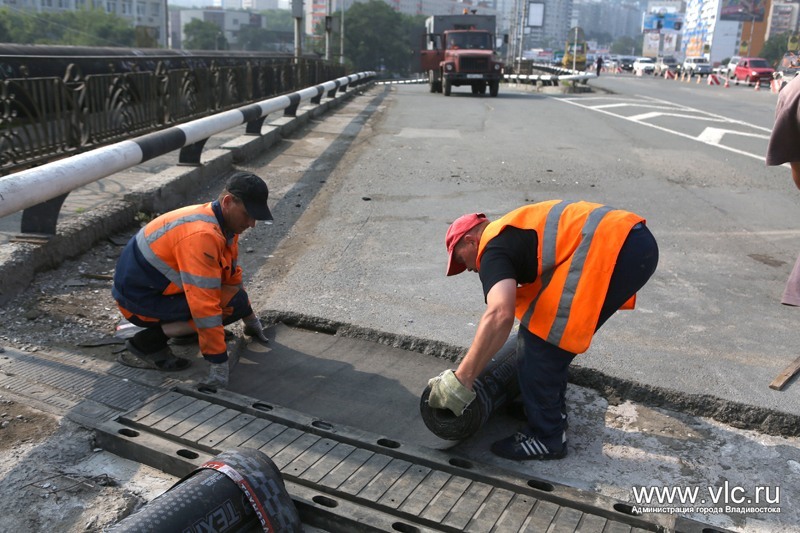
[[562, 268], [784, 147], [179, 276]]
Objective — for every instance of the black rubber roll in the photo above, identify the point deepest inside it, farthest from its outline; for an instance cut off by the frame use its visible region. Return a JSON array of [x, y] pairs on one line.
[[239, 490], [496, 386]]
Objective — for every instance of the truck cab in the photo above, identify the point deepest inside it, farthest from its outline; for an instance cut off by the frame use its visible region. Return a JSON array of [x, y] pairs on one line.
[[460, 51]]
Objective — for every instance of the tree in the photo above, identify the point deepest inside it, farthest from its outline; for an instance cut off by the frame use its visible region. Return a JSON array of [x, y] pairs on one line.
[[627, 46], [202, 35], [775, 47], [278, 19], [77, 28], [377, 37]]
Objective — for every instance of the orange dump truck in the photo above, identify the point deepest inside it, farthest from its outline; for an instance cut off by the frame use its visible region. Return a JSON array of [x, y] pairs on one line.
[[460, 50]]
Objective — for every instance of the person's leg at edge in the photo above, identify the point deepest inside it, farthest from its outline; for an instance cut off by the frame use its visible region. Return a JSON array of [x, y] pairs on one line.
[[542, 372]]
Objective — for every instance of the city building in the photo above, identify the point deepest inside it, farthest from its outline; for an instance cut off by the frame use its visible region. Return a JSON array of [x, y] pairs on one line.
[[719, 29], [316, 10], [616, 18]]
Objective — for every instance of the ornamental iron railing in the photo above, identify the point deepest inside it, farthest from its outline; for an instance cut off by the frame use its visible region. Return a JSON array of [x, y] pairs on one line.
[[55, 114]]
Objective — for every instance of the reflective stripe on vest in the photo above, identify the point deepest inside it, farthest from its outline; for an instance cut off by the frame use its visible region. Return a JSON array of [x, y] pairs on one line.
[[143, 242], [563, 306]]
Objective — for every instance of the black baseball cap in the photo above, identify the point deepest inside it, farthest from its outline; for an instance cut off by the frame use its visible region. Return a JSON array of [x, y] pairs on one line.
[[253, 193]]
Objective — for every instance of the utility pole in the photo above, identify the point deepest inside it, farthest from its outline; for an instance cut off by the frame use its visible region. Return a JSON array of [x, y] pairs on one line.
[[328, 30], [297, 14], [341, 36], [575, 49]]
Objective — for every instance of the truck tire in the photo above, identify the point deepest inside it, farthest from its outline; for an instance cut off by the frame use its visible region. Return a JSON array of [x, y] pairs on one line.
[[432, 82], [494, 87], [448, 87]]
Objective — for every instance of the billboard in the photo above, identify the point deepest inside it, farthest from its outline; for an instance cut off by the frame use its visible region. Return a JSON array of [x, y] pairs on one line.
[[742, 10], [535, 15], [662, 21]]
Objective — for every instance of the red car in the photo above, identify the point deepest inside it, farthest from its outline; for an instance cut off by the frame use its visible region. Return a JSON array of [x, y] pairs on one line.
[[753, 69]]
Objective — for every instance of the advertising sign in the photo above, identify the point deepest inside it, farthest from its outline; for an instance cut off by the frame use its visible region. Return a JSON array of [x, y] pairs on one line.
[[663, 21], [650, 44], [742, 10], [535, 15]]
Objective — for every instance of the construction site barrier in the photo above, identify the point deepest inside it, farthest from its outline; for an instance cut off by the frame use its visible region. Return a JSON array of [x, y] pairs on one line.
[[713, 79]]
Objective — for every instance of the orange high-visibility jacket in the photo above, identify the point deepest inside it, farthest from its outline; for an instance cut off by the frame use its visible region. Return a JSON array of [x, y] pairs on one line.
[[189, 248], [578, 247]]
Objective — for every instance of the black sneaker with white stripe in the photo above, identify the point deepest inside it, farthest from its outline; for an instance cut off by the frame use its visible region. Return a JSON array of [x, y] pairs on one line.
[[522, 447]]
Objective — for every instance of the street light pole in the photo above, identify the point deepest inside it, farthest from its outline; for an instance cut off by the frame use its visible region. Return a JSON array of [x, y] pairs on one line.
[[752, 29], [575, 49], [341, 37]]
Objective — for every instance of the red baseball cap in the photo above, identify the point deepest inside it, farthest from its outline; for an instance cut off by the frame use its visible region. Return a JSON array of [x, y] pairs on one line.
[[458, 229]]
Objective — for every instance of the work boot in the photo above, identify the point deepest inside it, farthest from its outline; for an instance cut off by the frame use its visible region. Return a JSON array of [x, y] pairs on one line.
[[217, 376]]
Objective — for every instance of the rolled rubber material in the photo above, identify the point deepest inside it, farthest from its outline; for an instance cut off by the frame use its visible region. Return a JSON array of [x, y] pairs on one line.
[[239, 490], [495, 387]]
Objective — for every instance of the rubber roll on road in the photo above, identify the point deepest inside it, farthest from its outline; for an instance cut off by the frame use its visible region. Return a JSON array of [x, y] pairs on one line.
[[239, 490], [495, 387]]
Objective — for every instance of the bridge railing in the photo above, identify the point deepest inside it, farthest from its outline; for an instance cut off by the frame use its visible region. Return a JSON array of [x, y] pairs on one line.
[[40, 192], [96, 101]]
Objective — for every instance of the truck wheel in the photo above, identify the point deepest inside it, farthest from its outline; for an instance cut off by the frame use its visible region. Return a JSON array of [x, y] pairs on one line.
[[448, 87], [482, 88], [494, 87], [432, 81]]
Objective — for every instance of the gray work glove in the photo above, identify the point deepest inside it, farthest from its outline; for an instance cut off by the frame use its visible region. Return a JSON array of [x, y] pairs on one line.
[[252, 328], [448, 393]]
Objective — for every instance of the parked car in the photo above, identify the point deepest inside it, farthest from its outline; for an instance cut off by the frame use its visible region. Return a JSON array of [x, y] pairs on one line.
[[696, 65], [644, 64], [665, 63], [753, 69], [626, 63], [727, 69]]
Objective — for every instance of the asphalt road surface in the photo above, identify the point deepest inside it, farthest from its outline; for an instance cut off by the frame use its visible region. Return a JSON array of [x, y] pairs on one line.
[[370, 250]]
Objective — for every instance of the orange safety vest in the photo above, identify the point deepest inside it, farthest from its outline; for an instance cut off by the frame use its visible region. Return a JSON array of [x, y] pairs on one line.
[[189, 248], [578, 247]]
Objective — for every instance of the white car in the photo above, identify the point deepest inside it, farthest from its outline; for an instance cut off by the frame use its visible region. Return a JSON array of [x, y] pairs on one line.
[[645, 65], [697, 65]]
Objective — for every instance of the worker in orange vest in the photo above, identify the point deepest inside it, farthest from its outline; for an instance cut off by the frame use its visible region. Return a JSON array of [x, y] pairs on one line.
[[179, 276], [562, 269]]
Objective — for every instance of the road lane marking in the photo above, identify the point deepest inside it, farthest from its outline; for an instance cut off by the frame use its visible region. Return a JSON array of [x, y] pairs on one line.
[[698, 138]]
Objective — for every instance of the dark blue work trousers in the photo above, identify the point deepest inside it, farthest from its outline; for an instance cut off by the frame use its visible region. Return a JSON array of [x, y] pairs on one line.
[[543, 367]]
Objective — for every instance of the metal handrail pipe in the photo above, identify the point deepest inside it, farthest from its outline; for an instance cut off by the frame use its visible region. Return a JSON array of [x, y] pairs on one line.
[[37, 185]]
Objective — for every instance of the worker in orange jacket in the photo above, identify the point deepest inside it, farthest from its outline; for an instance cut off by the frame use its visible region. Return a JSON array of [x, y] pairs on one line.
[[179, 275], [562, 269]]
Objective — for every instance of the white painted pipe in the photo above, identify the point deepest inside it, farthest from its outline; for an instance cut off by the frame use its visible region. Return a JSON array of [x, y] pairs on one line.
[[34, 186]]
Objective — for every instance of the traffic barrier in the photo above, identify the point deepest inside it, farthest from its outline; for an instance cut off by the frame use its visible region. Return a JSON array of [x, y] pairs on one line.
[[775, 86], [668, 74], [699, 77], [713, 79], [758, 85], [727, 82]]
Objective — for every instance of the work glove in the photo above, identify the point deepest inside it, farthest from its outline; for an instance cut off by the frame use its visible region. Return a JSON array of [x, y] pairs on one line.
[[448, 393], [252, 328]]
